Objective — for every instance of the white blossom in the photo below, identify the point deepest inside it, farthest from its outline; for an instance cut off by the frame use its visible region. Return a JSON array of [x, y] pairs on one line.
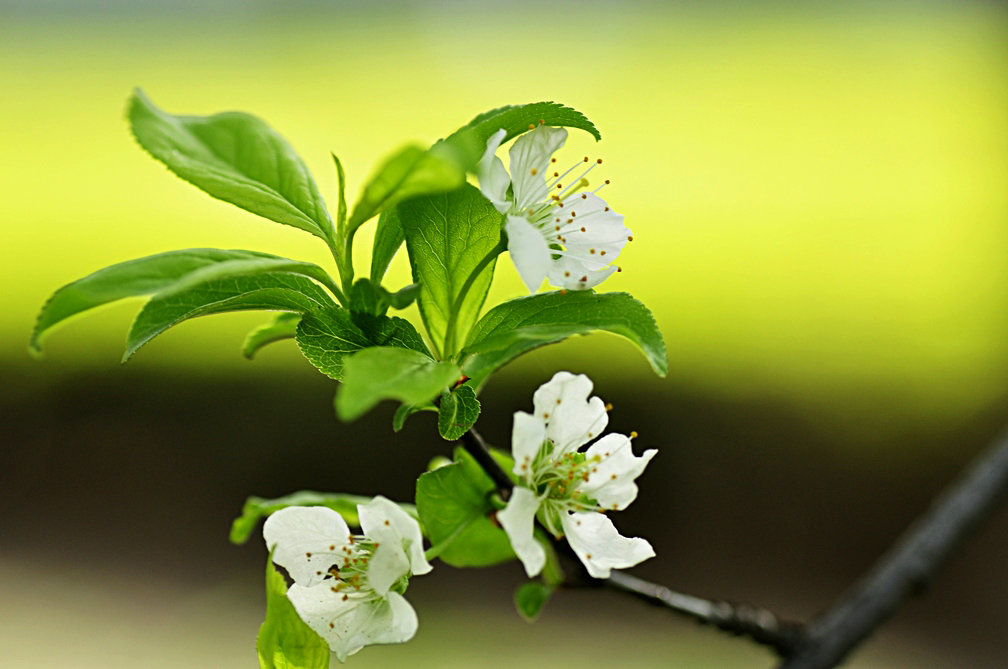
[[556, 228], [568, 489], [348, 588]]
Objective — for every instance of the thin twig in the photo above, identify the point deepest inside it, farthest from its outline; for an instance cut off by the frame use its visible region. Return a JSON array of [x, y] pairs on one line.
[[758, 624], [911, 563]]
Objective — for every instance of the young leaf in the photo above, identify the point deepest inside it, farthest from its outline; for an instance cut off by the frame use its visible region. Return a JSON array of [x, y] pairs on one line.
[[384, 372], [240, 285], [370, 298], [284, 640], [387, 240], [458, 412], [516, 119], [133, 278], [522, 324], [256, 508], [452, 241], [236, 158], [409, 172], [325, 336], [530, 598], [454, 506], [284, 326], [405, 411]]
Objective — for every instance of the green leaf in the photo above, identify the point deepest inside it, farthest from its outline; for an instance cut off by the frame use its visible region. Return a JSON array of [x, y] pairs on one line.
[[454, 506], [237, 285], [458, 412], [133, 278], [284, 640], [256, 508], [325, 336], [409, 172], [384, 372], [452, 239], [387, 240], [237, 158], [284, 326], [516, 119], [522, 324], [366, 297], [369, 298], [405, 411], [530, 598]]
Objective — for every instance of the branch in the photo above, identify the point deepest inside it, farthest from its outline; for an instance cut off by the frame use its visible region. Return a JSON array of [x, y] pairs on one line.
[[760, 625], [909, 565]]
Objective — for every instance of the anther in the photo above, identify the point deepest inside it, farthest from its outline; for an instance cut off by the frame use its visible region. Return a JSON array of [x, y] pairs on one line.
[[584, 279], [591, 251], [308, 555], [531, 126], [534, 171], [599, 162], [566, 274], [629, 238], [606, 182], [387, 523], [619, 269], [583, 229], [584, 196], [555, 174], [601, 253], [608, 406], [633, 434]]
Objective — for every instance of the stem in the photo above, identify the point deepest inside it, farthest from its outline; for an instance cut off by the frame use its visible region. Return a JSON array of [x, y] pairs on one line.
[[457, 304], [761, 625], [909, 564], [335, 290], [477, 448]]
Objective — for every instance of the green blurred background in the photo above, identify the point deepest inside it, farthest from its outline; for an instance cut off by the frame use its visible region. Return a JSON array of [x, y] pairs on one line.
[[818, 198]]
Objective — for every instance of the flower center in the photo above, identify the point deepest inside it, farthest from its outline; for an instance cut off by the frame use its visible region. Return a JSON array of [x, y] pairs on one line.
[[351, 574]]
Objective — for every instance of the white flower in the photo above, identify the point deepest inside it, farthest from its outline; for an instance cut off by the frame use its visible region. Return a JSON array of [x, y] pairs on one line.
[[554, 230], [349, 588], [566, 488]]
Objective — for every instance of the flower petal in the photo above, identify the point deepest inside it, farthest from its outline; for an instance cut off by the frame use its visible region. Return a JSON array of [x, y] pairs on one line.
[[611, 480], [600, 546], [530, 159], [571, 274], [384, 521], [307, 540], [493, 178], [518, 521], [527, 435], [529, 251], [574, 420], [349, 621]]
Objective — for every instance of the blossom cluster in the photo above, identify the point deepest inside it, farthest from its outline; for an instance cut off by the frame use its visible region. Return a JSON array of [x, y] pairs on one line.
[[349, 588]]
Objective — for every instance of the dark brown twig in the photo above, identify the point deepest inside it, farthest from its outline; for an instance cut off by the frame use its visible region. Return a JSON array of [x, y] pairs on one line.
[[911, 563]]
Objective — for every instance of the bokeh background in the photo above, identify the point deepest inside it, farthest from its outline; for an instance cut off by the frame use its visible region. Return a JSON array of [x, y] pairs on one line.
[[818, 197]]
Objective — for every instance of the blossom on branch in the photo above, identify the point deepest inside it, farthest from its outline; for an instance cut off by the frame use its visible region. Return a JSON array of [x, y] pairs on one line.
[[567, 489], [556, 228], [348, 588]]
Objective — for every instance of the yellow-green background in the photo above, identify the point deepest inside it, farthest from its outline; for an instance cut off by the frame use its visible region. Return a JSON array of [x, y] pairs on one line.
[[818, 195]]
